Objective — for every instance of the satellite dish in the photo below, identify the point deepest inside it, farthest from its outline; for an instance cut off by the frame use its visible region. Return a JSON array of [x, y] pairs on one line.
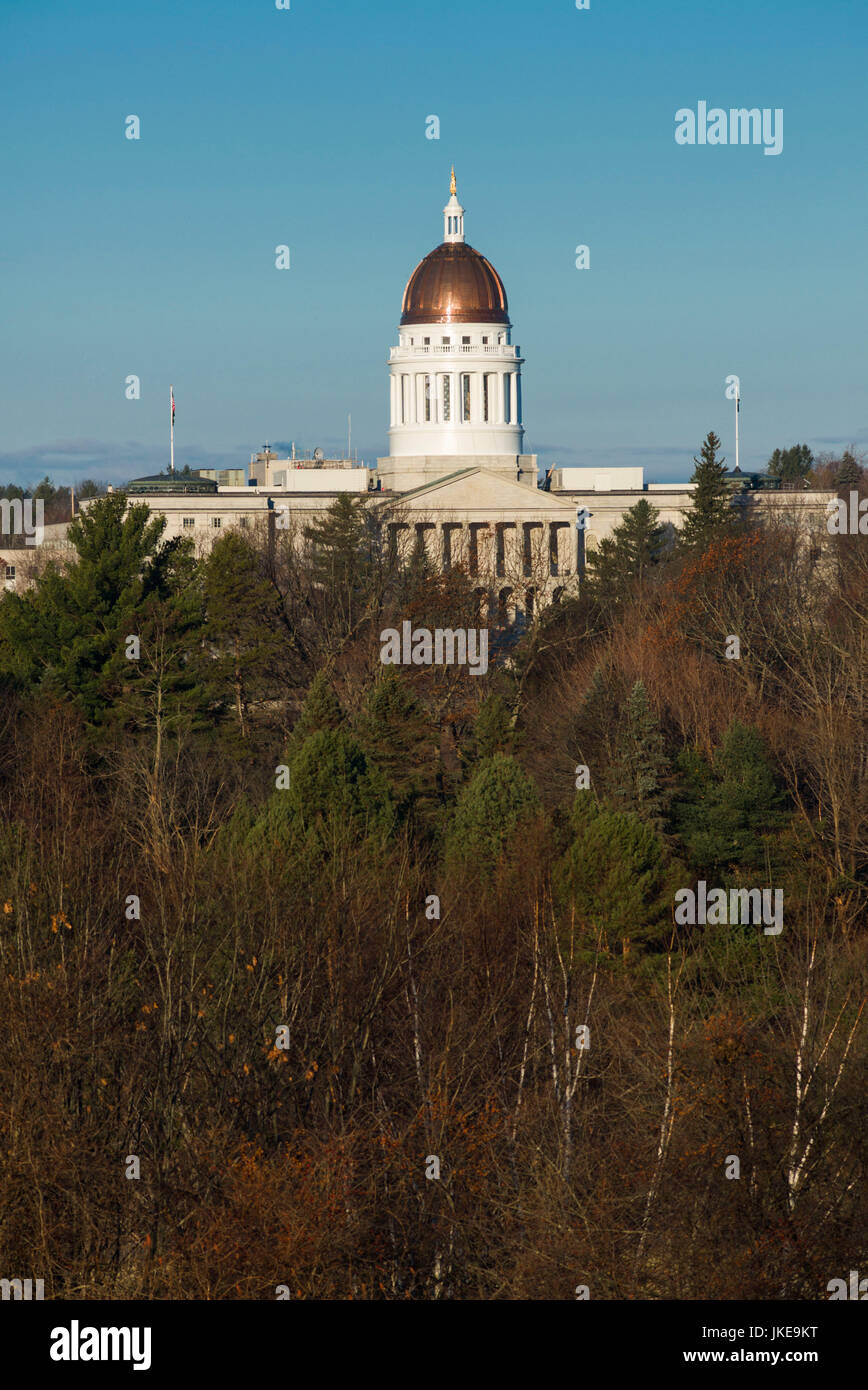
[[318, 454]]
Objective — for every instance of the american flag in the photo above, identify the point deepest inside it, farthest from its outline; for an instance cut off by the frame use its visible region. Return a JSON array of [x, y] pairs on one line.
[[172, 397]]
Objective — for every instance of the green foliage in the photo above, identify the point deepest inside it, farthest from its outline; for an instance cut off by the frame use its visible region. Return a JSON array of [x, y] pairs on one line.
[[639, 778], [242, 625], [494, 803], [332, 780], [619, 560], [45, 490], [493, 731], [321, 710], [344, 549], [616, 877], [726, 809], [711, 511], [166, 690], [849, 473], [397, 734], [791, 464], [593, 725], [66, 634]]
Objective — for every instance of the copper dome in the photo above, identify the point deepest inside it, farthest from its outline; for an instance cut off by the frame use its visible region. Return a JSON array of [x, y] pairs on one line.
[[454, 284]]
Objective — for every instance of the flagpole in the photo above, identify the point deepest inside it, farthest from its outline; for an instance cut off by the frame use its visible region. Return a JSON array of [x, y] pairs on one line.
[[737, 407], [171, 429]]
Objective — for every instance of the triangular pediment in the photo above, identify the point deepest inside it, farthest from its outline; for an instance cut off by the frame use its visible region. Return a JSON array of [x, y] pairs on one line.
[[480, 489]]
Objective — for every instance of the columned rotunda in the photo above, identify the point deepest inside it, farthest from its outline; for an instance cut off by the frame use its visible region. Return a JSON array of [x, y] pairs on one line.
[[455, 374]]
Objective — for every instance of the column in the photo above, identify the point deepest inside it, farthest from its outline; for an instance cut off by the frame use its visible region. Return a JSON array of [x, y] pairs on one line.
[[553, 556], [442, 555]]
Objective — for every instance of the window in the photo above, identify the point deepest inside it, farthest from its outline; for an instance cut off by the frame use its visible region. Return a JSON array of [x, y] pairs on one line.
[[465, 340], [506, 398], [244, 521], [216, 522], [446, 341], [465, 396], [484, 340], [447, 397], [187, 522], [426, 341], [485, 380], [10, 571], [427, 393]]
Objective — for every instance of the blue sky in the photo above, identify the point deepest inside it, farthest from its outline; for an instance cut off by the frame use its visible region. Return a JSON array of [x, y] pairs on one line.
[[307, 127]]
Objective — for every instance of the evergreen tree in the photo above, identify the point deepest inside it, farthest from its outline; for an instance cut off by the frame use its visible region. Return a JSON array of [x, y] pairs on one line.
[[615, 876], [640, 537], [397, 734], [163, 691], [640, 773], [242, 627], [321, 710], [849, 474], [344, 550], [495, 801], [604, 571], [67, 633], [332, 784], [710, 512], [619, 560], [493, 731], [45, 491], [726, 812], [591, 728], [791, 465]]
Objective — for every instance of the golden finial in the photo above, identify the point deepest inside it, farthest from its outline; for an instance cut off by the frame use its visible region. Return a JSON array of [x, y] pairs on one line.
[[452, 185]]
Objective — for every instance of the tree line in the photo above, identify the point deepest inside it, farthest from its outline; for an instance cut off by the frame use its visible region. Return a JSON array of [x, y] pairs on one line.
[[285, 924]]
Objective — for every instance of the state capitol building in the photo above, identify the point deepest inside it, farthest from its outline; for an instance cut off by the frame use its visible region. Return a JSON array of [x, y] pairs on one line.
[[457, 474]]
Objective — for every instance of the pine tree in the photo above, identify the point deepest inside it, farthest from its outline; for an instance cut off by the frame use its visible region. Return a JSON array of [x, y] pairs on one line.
[[163, 692], [711, 512], [243, 624], [495, 801], [791, 465], [332, 782], [639, 776], [492, 730], [591, 728], [848, 474], [66, 633], [344, 546], [321, 710], [616, 877], [726, 811], [621, 559], [640, 537], [397, 734]]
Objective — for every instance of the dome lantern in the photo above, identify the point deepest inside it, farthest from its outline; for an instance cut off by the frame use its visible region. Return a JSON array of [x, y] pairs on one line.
[[453, 215]]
